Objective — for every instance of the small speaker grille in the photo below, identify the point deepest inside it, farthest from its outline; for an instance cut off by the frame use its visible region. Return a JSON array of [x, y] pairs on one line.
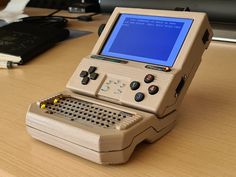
[[86, 112]]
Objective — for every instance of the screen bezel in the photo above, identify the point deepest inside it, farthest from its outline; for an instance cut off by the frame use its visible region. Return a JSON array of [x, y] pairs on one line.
[[186, 21]]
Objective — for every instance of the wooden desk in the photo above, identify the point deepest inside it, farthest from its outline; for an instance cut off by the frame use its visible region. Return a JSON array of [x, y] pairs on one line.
[[203, 143]]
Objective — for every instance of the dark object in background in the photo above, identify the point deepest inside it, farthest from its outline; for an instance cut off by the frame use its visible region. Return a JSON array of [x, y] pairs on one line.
[[83, 7], [3, 3], [101, 28], [51, 4], [56, 4], [22, 41], [217, 10], [46, 21]]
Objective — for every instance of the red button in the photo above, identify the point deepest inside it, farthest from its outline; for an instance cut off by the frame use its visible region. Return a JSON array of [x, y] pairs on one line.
[[148, 78], [153, 89]]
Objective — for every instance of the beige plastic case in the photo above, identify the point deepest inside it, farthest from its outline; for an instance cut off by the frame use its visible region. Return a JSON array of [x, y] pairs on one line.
[[100, 120]]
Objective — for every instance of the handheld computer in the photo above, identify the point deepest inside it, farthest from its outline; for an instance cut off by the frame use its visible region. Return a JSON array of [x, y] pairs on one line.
[[128, 89]]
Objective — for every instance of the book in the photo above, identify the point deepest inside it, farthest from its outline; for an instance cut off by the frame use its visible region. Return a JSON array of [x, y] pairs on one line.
[[21, 41]]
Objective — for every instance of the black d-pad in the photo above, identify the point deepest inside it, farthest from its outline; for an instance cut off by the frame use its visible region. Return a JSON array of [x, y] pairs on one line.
[[87, 75]]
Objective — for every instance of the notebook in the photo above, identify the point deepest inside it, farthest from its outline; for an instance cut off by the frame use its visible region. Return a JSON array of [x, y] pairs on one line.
[[21, 42]]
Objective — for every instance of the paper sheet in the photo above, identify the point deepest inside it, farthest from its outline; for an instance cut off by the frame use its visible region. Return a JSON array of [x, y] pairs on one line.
[[14, 11]]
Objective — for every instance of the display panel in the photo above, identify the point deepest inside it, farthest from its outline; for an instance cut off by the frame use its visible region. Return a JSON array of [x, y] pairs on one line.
[[149, 39]]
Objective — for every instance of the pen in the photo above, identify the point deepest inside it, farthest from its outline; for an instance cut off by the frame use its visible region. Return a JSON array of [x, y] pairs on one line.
[[7, 64]]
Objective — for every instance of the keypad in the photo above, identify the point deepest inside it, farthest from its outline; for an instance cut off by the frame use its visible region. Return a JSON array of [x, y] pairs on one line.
[[114, 86], [91, 114], [152, 90]]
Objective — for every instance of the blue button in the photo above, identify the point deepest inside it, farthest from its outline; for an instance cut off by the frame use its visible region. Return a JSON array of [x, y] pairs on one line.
[[134, 85], [139, 96]]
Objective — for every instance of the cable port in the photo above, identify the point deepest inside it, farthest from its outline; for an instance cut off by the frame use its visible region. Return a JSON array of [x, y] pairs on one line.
[[205, 37], [180, 86]]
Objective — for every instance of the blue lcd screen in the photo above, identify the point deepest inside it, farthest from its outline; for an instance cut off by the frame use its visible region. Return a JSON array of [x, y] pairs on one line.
[[149, 39]]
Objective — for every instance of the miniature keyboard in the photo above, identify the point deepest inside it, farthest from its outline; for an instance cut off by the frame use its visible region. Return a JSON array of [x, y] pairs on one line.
[[88, 113]]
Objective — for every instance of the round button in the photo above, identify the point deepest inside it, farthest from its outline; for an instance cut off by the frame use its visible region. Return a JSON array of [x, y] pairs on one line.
[[148, 78], [105, 88], [153, 89], [134, 85], [139, 96]]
